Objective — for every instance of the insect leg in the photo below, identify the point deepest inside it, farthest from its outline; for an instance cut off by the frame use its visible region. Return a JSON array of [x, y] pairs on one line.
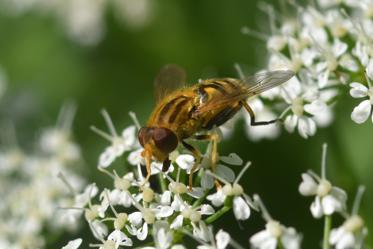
[[214, 137], [197, 155], [147, 157], [252, 116]]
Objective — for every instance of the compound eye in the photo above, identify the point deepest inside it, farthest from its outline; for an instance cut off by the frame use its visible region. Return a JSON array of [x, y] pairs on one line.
[[165, 139], [145, 133]]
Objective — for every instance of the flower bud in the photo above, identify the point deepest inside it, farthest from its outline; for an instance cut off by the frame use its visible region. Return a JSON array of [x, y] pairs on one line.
[[91, 213], [148, 216], [120, 221], [122, 184], [147, 194]]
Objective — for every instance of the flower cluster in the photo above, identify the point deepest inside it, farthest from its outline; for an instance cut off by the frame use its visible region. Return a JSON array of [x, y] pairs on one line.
[[30, 189], [84, 20], [160, 213], [132, 210], [329, 200], [329, 46]]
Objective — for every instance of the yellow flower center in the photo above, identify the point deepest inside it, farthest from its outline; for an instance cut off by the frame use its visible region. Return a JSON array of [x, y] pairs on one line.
[[297, 107]]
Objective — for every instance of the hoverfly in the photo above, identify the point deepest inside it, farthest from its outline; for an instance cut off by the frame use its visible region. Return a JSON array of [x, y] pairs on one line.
[[183, 112]]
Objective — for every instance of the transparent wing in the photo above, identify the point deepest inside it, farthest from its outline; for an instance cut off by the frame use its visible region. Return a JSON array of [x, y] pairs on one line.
[[264, 81], [253, 85], [170, 78]]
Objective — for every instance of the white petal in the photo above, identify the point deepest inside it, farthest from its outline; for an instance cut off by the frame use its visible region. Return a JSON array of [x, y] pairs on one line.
[[316, 208], [339, 48], [129, 136], [164, 212], [201, 231], [99, 229], [217, 199], [358, 90], [89, 192], [323, 78], [177, 204], [135, 219], [306, 127], [107, 157], [336, 235], [308, 186], [185, 162], [241, 209], [131, 230], [291, 122], [369, 69], [290, 239], [361, 112], [178, 247], [120, 238], [316, 107], [119, 148], [222, 239], [142, 233], [263, 240], [339, 194], [346, 242], [162, 235], [232, 159], [166, 198], [330, 204], [207, 209], [177, 223], [135, 158], [74, 244], [348, 62], [225, 172]]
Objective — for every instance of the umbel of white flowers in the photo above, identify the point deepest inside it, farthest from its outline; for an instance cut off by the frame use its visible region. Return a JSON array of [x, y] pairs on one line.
[[329, 46], [30, 191], [173, 212]]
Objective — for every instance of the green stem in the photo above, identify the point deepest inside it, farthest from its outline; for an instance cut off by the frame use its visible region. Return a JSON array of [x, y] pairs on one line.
[[162, 183], [280, 245], [218, 214], [199, 201], [327, 228]]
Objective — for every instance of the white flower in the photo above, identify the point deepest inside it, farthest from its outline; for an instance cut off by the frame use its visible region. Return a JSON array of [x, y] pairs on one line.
[[241, 201], [119, 144], [350, 235], [194, 214], [162, 235], [74, 244], [353, 231], [274, 233], [120, 239], [328, 199], [362, 112]]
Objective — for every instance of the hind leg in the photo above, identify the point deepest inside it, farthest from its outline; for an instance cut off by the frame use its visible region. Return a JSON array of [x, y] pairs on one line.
[[252, 116], [197, 155], [214, 138]]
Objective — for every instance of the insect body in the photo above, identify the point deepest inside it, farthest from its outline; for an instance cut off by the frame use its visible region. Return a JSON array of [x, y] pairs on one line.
[[184, 112]]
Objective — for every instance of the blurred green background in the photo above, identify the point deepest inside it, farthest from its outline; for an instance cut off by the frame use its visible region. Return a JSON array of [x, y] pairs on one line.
[[45, 68]]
